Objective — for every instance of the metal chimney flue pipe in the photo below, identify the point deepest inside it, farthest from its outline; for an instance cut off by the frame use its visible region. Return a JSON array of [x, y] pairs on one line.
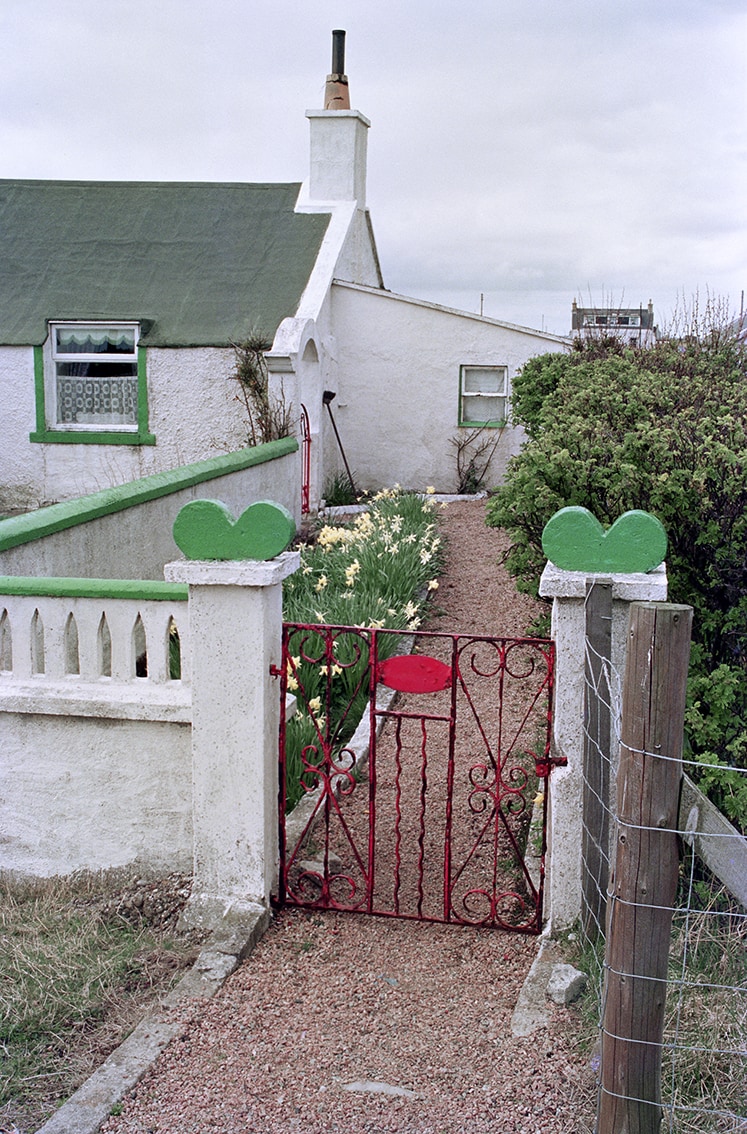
[[338, 52]]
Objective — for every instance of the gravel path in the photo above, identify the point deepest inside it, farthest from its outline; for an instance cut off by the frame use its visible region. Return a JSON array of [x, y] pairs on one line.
[[346, 1023]]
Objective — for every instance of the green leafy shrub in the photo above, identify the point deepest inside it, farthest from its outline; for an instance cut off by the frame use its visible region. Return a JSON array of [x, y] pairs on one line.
[[612, 428]]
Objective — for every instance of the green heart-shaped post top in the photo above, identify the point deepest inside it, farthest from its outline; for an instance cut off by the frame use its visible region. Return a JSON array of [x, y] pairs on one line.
[[205, 529], [574, 540]]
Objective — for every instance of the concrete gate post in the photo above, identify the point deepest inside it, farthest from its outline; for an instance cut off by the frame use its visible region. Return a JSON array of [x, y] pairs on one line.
[[567, 589], [235, 618]]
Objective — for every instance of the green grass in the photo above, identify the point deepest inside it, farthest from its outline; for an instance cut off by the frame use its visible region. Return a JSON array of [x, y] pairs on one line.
[[339, 491]]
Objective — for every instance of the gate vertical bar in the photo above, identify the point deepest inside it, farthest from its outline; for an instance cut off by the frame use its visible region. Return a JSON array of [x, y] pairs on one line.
[[596, 803], [450, 779], [423, 794], [282, 773], [373, 678]]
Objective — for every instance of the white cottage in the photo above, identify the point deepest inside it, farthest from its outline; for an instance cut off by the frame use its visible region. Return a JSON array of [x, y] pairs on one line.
[[120, 302]]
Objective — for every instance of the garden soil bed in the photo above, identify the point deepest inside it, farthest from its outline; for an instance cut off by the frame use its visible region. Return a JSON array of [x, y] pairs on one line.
[[341, 1022]]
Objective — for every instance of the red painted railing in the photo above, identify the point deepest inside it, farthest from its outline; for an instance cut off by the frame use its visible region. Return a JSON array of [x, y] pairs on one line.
[[425, 812]]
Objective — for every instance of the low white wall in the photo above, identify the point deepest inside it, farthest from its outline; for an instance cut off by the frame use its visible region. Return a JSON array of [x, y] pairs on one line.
[[397, 384], [135, 541], [96, 771], [84, 793]]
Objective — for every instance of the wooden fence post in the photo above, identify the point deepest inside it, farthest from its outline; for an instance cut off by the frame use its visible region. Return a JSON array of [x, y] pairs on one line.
[[643, 884], [596, 806]]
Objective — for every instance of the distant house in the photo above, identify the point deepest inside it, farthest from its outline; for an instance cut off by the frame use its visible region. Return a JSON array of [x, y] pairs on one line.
[[120, 302], [630, 324]]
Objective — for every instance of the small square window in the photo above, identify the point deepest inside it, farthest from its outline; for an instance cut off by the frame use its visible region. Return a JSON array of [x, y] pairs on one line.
[[95, 376], [483, 395]]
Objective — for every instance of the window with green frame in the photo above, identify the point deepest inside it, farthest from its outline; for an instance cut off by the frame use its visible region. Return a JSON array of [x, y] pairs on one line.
[[91, 385], [483, 395]]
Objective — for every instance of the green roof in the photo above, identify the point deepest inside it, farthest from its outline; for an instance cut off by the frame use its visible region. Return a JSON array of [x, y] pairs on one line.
[[199, 264]]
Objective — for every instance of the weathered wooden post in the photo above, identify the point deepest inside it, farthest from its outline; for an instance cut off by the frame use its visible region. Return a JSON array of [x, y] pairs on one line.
[[643, 884], [595, 849]]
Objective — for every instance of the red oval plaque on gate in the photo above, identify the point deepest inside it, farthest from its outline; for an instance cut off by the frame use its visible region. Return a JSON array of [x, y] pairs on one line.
[[415, 673]]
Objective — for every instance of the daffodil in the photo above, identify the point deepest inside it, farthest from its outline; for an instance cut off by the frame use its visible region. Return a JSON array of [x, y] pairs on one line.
[[351, 572]]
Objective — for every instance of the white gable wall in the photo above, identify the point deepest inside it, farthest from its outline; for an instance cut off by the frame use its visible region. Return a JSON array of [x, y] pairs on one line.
[[397, 384]]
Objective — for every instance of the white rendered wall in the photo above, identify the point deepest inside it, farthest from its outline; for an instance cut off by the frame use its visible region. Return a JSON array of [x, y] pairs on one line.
[[193, 414], [136, 542], [396, 374], [83, 793], [21, 463]]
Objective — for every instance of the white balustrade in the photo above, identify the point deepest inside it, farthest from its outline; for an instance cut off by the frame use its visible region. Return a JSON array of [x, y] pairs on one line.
[[112, 640]]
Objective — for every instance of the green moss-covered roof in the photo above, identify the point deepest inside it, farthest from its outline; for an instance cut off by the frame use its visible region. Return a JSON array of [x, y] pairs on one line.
[[200, 264]]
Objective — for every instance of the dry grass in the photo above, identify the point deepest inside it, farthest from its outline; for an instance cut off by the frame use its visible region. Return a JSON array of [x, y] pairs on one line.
[[706, 1072], [81, 959], [704, 1066]]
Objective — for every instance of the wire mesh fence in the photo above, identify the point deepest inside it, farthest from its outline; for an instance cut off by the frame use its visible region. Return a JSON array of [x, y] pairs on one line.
[[702, 1055]]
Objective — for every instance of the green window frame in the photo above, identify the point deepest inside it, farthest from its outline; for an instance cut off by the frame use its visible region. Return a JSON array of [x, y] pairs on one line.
[[483, 396], [50, 431]]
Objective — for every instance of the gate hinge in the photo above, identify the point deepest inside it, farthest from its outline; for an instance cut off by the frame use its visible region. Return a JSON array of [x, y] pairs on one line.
[[275, 671], [545, 765]]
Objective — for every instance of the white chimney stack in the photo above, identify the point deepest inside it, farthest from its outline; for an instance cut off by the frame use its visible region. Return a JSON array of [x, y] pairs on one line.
[[339, 139]]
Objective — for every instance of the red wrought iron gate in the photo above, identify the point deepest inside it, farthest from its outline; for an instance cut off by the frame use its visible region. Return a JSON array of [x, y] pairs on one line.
[[413, 785]]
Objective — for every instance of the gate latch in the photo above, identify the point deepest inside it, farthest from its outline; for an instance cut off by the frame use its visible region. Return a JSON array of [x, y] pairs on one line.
[[275, 671]]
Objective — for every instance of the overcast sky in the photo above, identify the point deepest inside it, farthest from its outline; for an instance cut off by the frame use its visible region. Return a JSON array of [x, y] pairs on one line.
[[530, 150]]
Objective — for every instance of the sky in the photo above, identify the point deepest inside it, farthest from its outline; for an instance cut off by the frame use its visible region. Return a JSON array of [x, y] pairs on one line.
[[522, 153]]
